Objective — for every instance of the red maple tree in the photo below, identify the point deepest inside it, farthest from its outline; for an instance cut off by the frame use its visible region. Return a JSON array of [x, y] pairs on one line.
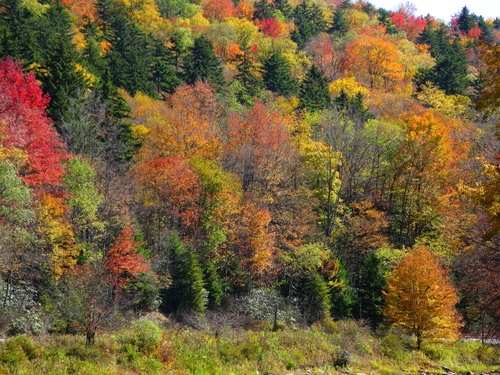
[[26, 133]]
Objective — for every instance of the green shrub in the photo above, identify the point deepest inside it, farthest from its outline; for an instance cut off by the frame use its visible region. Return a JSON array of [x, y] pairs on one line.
[[438, 352], [18, 350], [145, 336]]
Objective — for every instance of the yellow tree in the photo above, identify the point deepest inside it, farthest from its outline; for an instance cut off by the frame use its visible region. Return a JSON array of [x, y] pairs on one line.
[[421, 299], [374, 61]]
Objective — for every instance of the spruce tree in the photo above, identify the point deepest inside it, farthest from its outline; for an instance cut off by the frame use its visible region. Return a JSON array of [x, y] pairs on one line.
[[384, 17], [249, 77], [277, 75], [18, 36], [59, 58], [201, 64], [263, 10], [314, 90], [187, 292], [309, 22]]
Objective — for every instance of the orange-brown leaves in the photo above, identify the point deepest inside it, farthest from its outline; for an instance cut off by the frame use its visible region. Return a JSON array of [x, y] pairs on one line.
[[183, 126], [219, 9], [258, 143], [172, 185], [122, 262], [374, 61], [421, 299], [255, 242]]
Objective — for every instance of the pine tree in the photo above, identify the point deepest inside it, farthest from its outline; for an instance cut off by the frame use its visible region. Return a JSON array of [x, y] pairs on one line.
[[309, 22], [187, 292], [465, 20], [263, 10], [340, 25], [18, 37], [277, 75], [201, 64], [164, 73], [59, 58], [249, 77], [314, 90]]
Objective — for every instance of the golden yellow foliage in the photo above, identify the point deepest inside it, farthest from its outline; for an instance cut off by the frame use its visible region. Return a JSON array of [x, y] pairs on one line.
[[349, 85], [421, 298]]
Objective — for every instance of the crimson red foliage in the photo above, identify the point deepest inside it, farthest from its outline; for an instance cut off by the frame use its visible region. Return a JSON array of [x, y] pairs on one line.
[[270, 27], [26, 127]]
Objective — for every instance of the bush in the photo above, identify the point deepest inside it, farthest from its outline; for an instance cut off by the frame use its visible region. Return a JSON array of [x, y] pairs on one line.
[[19, 349], [145, 336]]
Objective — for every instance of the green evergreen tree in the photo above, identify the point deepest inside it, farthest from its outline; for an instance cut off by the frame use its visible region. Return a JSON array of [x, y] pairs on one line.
[[314, 90], [314, 296], [465, 20], [450, 72], [18, 36], [59, 57], [201, 64], [371, 282], [342, 296], [277, 75], [340, 26], [309, 22], [384, 18], [249, 77], [263, 10], [353, 107], [284, 7], [165, 77], [187, 292], [93, 58]]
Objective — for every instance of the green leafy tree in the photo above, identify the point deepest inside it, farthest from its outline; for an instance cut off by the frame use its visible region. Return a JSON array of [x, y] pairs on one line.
[[84, 200], [17, 219]]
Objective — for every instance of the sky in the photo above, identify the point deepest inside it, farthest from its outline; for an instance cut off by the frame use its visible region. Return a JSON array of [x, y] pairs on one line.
[[445, 9]]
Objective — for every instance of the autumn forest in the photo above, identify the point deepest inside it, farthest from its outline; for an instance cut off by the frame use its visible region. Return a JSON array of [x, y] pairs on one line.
[[285, 161]]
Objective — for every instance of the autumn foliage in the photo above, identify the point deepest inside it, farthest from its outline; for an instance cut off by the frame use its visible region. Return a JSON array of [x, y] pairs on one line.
[[123, 263], [29, 138], [421, 298]]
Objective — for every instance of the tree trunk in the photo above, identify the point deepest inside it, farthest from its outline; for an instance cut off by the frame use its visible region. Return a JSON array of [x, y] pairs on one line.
[[90, 338]]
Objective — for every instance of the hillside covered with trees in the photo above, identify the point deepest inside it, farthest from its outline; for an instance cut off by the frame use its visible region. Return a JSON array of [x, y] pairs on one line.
[[279, 160]]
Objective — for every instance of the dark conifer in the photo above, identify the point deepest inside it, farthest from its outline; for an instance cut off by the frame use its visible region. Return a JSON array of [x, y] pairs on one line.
[[277, 76], [314, 91], [201, 64]]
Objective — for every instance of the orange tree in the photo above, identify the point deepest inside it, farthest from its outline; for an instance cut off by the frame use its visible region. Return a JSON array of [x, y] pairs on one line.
[[421, 299]]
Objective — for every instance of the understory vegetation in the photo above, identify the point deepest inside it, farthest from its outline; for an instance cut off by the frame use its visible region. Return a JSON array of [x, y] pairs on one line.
[[327, 347]]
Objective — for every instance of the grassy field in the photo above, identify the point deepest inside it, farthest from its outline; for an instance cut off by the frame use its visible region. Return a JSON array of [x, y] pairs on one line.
[[326, 348]]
